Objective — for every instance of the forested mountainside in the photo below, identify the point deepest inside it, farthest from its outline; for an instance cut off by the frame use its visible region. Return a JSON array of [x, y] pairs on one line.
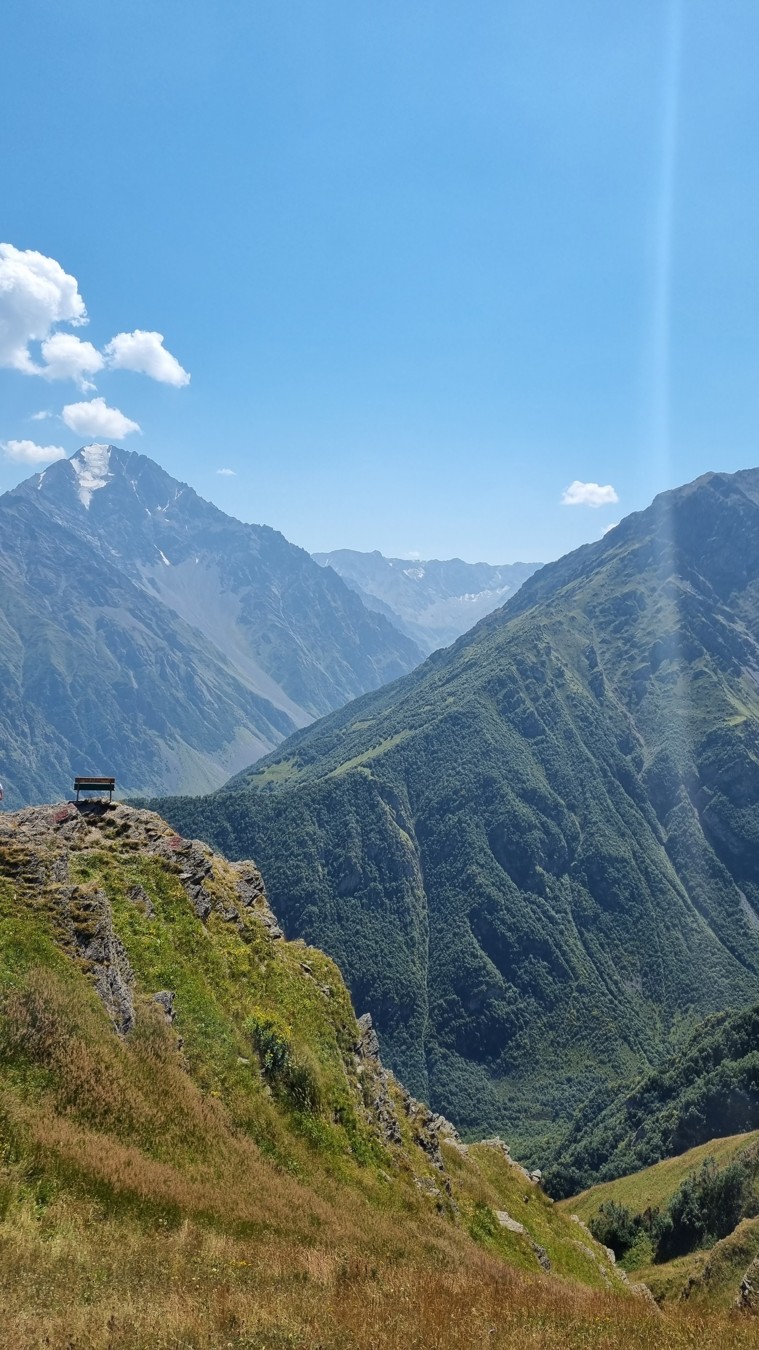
[[535, 857], [201, 1146], [433, 601], [146, 634], [708, 1088]]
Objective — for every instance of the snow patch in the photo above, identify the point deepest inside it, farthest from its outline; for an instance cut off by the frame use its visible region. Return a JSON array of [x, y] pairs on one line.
[[164, 558], [475, 597], [416, 573], [91, 469]]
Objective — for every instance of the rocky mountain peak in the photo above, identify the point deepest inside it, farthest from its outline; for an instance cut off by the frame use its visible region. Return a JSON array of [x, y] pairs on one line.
[[179, 641]]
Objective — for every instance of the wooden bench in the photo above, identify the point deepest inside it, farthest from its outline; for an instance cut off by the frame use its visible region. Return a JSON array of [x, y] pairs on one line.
[[99, 785]]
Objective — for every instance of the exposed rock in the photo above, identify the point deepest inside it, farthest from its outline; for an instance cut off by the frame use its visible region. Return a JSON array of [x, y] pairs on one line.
[[368, 1046], [427, 1186], [542, 1255], [748, 1292], [88, 921], [376, 1081], [266, 917], [59, 871], [643, 1292], [139, 896], [250, 885], [499, 1143], [165, 999], [197, 868], [506, 1221]]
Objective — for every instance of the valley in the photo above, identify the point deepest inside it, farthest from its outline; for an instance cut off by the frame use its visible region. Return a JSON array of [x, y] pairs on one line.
[[433, 602], [534, 857]]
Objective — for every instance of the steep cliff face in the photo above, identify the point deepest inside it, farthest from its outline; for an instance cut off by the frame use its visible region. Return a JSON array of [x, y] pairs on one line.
[[535, 857]]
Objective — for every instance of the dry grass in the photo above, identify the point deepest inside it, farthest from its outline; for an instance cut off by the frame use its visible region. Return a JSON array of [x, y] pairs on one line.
[[80, 1280]]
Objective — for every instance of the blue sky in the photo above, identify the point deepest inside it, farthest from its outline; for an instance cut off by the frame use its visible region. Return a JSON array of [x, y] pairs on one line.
[[426, 263]]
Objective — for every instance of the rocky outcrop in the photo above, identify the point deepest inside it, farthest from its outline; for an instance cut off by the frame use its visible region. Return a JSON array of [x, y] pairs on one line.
[[428, 1129], [88, 921], [748, 1291]]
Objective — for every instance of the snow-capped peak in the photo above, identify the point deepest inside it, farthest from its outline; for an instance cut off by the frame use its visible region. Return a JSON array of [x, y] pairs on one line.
[[91, 468]]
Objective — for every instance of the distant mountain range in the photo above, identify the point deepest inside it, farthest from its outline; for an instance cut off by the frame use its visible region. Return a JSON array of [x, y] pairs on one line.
[[432, 602], [535, 857], [145, 633]]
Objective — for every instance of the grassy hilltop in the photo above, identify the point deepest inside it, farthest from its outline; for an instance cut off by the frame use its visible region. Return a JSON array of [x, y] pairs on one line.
[[200, 1146]]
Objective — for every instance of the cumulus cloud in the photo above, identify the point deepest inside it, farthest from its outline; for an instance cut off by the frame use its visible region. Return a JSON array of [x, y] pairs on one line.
[[95, 418], [227, 473], [145, 353], [40, 416], [67, 357], [35, 294], [588, 494], [28, 452]]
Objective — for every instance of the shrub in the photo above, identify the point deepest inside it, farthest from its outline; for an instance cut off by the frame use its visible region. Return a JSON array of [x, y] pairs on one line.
[[617, 1227], [292, 1071], [707, 1207]]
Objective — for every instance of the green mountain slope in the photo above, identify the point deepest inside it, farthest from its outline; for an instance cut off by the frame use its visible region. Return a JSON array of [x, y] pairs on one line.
[[687, 1226], [200, 1146], [535, 856]]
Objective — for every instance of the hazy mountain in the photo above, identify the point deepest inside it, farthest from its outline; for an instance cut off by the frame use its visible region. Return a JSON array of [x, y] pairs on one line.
[[536, 856], [432, 602], [148, 634]]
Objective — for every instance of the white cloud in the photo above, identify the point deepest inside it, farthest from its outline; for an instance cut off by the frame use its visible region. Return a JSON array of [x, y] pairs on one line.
[[145, 353], [40, 416], [67, 357], [35, 294], [588, 494], [95, 418], [28, 452], [613, 526], [227, 473]]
